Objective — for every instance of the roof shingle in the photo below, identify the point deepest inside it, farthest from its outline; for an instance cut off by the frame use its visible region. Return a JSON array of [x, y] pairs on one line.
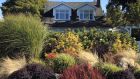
[[73, 5]]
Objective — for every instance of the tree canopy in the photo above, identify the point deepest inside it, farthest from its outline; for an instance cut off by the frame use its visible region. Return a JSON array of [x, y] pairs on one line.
[[133, 13], [115, 16], [34, 7], [123, 3], [120, 12]]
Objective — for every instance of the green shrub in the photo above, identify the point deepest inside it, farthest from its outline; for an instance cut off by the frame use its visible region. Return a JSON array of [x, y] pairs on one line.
[[106, 41], [124, 74], [62, 61], [112, 71], [20, 34], [67, 42], [107, 68]]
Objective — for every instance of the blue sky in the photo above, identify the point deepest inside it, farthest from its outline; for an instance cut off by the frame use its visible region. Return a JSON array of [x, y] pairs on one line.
[[103, 3]]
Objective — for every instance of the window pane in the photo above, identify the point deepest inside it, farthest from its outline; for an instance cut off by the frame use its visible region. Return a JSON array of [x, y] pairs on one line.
[[67, 16], [81, 15], [57, 15], [62, 16], [91, 16], [86, 15]]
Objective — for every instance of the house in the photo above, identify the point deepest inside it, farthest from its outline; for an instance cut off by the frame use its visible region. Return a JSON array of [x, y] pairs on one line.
[[57, 12]]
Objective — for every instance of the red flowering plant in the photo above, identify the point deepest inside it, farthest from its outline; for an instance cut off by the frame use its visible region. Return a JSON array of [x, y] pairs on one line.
[[82, 72], [50, 57]]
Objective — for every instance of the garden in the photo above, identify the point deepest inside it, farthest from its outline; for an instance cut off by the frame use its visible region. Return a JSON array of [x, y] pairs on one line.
[[28, 50]]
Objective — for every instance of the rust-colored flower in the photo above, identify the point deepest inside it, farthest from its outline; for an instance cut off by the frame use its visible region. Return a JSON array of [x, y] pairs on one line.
[[50, 55]]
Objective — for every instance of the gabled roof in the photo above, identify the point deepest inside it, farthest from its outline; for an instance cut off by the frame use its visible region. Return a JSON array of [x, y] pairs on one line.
[[87, 5], [62, 4], [73, 5]]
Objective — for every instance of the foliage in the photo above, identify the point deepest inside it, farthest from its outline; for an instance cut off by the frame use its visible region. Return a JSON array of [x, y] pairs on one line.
[[124, 41], [137, 74], [108, 68], [37, 60], [130, 9], [81, 72], [50, 56], [112, 71], [33, 71], [106, 41], [33, 7], [123, 3], [87, 57], [115, 16], [124, 59], [133, 15], [21, 34], [63, 61], [8, 66], [125, 74], [63, 43]]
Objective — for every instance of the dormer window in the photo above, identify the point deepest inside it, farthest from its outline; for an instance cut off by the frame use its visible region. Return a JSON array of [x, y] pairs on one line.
[[86, 14], [62, 14]]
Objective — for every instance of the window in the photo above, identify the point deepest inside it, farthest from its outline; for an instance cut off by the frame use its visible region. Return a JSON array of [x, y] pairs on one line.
[[86, 14], [62, 15]]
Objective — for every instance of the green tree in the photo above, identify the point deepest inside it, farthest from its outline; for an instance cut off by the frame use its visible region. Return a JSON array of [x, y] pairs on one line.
[[122, 12], [133, 14], [34, 7], [123, 3], [115, 16]]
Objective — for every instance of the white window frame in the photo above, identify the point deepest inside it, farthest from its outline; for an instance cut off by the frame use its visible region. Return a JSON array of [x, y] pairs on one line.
[[64, 12], [83, 13]]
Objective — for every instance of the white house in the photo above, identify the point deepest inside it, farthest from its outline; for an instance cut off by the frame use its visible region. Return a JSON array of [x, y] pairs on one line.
[[72, 11]]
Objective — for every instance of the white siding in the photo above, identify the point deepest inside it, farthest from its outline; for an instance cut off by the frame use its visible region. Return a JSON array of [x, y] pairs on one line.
[[61, 7]]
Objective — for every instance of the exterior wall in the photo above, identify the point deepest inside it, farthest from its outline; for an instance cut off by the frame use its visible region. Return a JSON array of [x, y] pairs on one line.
[[86, 7], [49, 14], [62, 7], [48, 17], [74, 16], [99, 12]]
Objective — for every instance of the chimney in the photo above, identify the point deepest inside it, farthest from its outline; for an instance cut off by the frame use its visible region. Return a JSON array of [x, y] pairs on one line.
[[98, 3]]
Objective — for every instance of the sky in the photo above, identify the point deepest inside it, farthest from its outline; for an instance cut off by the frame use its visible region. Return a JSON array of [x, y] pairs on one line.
[[103, 3]]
